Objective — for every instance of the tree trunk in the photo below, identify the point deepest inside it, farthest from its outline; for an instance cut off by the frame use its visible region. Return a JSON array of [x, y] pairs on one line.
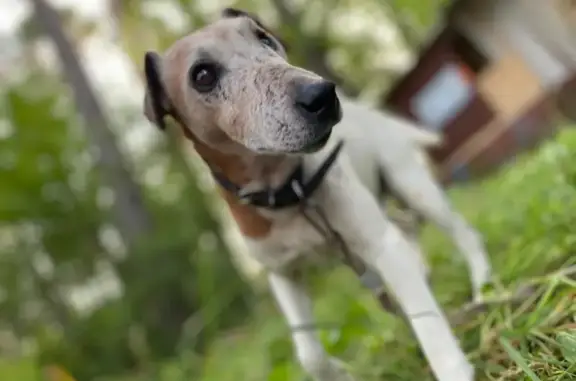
[[129, 212]]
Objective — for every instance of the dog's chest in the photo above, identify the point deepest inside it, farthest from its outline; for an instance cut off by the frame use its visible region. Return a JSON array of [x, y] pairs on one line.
[[292, 240]]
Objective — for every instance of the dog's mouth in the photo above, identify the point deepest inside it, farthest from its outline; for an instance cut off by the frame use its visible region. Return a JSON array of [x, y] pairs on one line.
[[318, 143]]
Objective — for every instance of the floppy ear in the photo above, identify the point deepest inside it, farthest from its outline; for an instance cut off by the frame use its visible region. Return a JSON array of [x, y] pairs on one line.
[[156, 105], [234, 12]]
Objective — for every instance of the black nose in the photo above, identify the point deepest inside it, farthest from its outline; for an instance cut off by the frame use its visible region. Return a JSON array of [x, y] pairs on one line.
[[317, 98]]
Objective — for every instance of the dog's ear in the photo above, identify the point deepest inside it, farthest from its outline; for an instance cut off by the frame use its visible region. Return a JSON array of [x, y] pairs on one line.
[[156, 104], [234, 12]]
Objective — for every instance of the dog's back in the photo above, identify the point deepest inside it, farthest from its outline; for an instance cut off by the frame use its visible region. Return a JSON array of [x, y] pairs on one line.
[[378, 142]]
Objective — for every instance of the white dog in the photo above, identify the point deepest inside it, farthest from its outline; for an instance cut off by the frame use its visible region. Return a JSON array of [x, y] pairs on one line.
[[265, 129]]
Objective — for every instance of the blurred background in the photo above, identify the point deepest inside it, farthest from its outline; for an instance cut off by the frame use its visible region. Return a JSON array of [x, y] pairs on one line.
[[117, 263]]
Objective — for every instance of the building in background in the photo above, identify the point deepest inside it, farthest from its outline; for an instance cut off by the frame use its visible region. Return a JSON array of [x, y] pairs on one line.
[[492, 81]]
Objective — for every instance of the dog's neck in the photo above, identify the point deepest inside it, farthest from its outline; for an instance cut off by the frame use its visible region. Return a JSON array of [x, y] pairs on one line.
[[248, 170], [245, 168]]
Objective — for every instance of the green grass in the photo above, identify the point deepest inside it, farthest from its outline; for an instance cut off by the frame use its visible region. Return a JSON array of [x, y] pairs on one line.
[[527, 214], [19, 370]]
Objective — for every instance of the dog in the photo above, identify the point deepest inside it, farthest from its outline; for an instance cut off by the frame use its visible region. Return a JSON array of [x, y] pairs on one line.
[[268, 132]]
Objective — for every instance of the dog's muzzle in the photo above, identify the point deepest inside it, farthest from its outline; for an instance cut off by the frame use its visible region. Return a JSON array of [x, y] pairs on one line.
[[318, 104]]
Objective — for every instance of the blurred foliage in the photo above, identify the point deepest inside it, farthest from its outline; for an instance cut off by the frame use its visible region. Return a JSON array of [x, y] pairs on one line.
[[78, 295]]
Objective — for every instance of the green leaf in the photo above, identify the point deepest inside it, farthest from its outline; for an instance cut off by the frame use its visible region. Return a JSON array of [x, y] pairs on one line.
[[567, 341]]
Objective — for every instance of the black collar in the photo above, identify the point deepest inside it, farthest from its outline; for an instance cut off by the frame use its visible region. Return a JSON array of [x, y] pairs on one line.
[[292, 192]]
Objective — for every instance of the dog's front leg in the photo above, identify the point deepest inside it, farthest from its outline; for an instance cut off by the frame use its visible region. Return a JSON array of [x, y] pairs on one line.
[[297, 308], [355, 215]]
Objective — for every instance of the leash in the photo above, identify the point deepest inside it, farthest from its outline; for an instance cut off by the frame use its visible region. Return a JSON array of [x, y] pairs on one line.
[[367, 276]]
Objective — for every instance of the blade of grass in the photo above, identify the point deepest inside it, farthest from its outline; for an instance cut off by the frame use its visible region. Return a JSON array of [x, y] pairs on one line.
[[518, 359]]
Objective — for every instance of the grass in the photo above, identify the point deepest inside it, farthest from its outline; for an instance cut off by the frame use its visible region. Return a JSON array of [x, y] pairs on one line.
[[19, 370], [527, 214]]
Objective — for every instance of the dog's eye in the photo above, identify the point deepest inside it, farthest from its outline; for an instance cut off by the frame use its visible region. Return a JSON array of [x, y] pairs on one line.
[[265, 39], [204, 77]]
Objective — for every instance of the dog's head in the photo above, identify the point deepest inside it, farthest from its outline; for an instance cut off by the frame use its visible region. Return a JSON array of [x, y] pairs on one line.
[[230, 84]]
